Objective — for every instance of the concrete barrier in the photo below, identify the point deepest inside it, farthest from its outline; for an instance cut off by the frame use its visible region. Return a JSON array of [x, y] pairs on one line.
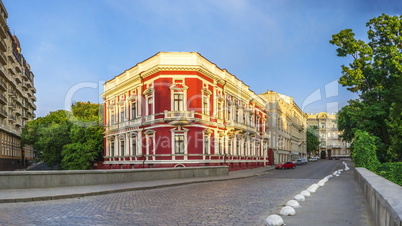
[[384, 198], [66, 178]]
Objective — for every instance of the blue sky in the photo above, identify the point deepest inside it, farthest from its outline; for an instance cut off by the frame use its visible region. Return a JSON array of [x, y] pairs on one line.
[[282, 45]]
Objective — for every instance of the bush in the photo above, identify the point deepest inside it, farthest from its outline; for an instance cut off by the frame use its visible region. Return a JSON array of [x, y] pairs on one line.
[[391, 171]]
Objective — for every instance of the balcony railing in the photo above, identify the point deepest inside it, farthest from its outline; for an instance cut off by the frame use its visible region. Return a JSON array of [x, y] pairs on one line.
[[240, 126], [179, 117]]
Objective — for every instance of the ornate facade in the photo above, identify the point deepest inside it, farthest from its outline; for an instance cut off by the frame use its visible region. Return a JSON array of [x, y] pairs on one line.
[[17, 97], [286, 126], [331, 145], [179, 109]]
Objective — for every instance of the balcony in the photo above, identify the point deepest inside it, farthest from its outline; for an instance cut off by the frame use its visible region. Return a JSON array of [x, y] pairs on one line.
[[18, 68], [3, 45], [240, 126], [11, 118], [179, 117], [18, 78], [29, 85], [18, 123], [12, 70], [3, 99], [24, 85], [3, 59], [12, 93], [11, 58], [2, 32], [3, 84], [25, 105], [3, 113], [18, 111], [125, 124]]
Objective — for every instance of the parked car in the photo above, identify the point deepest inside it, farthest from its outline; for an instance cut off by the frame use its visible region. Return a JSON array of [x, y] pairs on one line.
[[313, 159], [286, 165], [301, 161]]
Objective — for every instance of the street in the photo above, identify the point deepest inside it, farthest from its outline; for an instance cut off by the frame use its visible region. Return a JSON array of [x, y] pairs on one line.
[[236, 202]]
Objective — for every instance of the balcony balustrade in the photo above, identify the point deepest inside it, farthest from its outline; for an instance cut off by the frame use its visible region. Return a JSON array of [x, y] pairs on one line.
[[179, 117], [240, 126]]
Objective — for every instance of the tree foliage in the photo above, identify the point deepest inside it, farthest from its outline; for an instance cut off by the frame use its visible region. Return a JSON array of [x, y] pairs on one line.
[[363, 151], [313, 140], [70, 140], [375, 74]]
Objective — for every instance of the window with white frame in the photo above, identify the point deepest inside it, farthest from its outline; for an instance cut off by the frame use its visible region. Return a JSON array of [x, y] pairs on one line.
[[221, 145], [112, 149], [237, 146], [205, 104], [178, 101], [230, 146], [229, 112], [245, 147], [206, 144], [179, 143], [220, 110], [122, 148], [122, 116], [112, 118], [133, 110], [134, 150]]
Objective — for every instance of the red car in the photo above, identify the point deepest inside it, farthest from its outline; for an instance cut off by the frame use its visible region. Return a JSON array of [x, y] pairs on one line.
[[286, 165]]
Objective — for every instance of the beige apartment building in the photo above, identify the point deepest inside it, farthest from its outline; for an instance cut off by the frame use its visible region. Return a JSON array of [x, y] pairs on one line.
[[331, 145], [286, 126], [17, 97]]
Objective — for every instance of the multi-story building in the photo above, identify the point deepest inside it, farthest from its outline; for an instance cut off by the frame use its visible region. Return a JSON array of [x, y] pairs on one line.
[[17, 97], [180, 109], [331, 145], [286, 127]]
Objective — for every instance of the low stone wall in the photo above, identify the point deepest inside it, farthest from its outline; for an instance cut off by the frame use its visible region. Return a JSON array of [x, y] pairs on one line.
[[66, 178], [384, 198]]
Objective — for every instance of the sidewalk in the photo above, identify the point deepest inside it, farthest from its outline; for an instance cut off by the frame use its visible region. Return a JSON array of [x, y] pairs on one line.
[[37, 194], [338, 202]]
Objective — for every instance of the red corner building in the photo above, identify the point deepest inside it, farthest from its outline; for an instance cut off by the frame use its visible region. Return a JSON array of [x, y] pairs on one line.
[[178, 109]]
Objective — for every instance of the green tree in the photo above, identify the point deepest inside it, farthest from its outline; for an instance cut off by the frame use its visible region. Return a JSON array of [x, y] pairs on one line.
[[86, 137], [48, 135], [374, 74], [71, 140], [363, 151], [312, 137]]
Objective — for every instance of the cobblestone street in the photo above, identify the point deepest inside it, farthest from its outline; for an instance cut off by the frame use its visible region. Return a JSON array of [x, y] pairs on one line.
[[236, 202]]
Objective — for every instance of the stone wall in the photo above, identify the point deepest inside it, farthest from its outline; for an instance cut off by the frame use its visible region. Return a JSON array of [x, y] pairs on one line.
[[384, 198], [66, 178]]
